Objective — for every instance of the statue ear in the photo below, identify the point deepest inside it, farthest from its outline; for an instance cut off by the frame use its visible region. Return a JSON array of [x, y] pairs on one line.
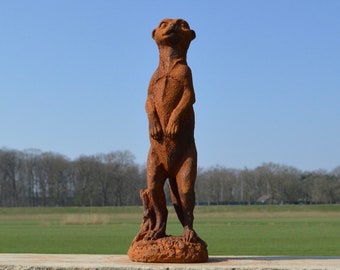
[[193, 34], [153, 33]]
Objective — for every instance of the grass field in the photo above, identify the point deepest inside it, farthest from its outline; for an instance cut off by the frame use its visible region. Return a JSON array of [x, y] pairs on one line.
[[228, 230]]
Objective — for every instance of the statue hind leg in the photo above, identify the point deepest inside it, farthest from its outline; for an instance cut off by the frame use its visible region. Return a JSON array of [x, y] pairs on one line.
[[183, 195], [156, 176], [176, 201]]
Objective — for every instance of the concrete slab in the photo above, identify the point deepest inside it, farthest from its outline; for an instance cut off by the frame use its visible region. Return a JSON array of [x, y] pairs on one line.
[[113, 262]]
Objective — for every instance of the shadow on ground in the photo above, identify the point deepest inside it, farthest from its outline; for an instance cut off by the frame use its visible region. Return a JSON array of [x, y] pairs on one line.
[[216, 259]]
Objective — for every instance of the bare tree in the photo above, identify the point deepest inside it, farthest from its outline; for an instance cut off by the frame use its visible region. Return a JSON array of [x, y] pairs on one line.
[[9, 172]]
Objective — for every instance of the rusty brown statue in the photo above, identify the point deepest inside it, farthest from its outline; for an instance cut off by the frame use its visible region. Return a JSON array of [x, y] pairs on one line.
[[172, 154]]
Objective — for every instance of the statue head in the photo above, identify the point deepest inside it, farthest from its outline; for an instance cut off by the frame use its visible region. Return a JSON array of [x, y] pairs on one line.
[[173, 33]]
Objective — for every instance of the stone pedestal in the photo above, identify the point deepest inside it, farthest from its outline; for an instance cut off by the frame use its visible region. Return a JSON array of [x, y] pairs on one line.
[[122, 262], [170, 249]]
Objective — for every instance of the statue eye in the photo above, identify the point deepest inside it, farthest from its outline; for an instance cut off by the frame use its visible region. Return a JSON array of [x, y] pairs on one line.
[[184, 25], [162, 25]]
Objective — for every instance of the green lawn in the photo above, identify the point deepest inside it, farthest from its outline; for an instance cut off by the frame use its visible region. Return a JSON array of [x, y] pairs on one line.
[[228, 230]]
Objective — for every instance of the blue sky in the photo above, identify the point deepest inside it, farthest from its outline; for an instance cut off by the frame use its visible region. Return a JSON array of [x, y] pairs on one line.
[[74, 76]]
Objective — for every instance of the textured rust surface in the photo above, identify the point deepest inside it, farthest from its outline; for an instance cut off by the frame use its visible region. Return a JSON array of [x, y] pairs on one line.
[[172, 154], [171, 249]]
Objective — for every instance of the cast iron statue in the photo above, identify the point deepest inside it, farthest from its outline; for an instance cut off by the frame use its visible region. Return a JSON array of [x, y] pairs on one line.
[[172, 154]]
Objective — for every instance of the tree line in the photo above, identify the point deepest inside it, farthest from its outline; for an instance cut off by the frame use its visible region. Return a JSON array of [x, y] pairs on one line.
[[34, 178]]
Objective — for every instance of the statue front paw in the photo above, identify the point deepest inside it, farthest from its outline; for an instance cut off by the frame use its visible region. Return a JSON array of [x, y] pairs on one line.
[[156, 132], [172, 129]]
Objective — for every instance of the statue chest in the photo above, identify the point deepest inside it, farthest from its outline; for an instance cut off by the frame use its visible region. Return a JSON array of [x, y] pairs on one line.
[[167, 92]]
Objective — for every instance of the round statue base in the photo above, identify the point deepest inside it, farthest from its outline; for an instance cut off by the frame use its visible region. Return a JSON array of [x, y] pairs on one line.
[[169, 249]]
